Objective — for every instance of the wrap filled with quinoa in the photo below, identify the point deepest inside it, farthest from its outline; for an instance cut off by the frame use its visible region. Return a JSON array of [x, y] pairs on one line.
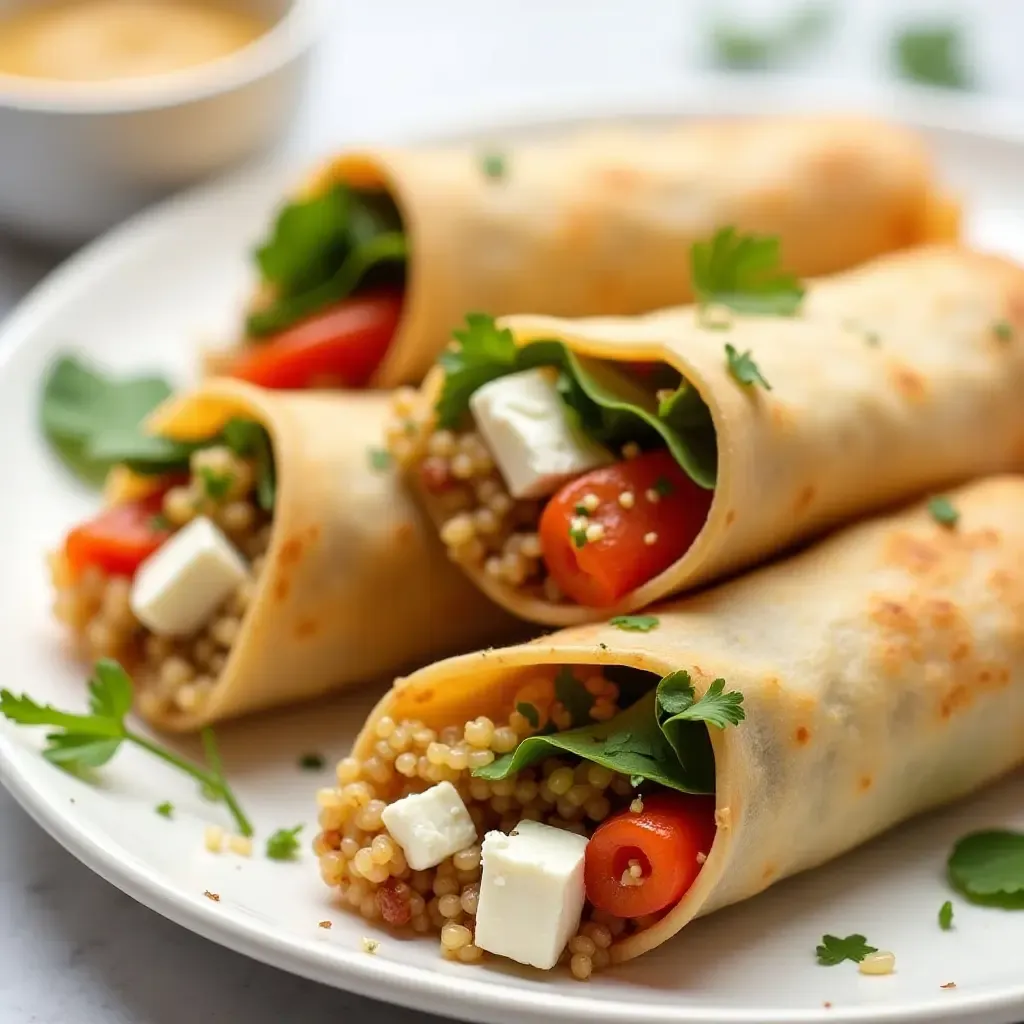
[[323, 570], [579, 468], [821, 700], [366, 270]]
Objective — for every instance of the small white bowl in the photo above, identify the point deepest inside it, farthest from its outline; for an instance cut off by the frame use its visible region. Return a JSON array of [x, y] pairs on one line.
[[76, 158]]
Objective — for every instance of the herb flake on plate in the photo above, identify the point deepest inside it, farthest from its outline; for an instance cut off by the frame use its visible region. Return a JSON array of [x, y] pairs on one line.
[[834, 950]]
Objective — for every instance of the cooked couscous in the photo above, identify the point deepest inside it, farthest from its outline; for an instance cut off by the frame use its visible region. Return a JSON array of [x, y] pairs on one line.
[[369, 866], [218, 494]]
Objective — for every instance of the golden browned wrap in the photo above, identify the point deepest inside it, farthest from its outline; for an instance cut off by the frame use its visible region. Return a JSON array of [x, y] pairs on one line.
[[601, 221], [356, 584], [882, 674], [904, 375]]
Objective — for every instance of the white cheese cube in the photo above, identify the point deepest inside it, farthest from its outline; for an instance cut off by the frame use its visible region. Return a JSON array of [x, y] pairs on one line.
[[430, 826], [531, 893], [529, 432], [182, 584]]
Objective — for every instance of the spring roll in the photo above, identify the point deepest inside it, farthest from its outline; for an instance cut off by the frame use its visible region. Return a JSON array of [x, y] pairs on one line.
[[706, 750], [264, 554], [580, 468], [368, 269]]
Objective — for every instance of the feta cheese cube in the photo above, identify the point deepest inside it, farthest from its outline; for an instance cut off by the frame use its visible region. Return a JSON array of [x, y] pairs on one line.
[[182, 584], [430, 826], [534, 442], [531, 893]]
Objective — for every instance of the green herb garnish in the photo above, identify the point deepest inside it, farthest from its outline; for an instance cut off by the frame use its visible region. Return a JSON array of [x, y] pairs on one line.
[[574, 696], [743, 368], [529, 712], [251, 440], [216, 485], [284, 843], [578, 535], [494, 165], [946, 916], [606, 404], [89, 741], [635, 623], [834, 950], [988, 868], [380, 459], [932, 55], [324, 248], [311, 762], [661, 738], [734, 46], [1003, 330], [743, 273], [165, 810], [942, 510], [93, 420], [663, 487]]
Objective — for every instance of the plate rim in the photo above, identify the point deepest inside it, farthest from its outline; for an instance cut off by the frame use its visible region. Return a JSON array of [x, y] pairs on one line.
[[389, 981]]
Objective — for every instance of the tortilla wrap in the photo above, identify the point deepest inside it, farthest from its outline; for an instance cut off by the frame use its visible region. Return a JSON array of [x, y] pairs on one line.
[[355, 584], [895, 378], [601, 221], [882, 674]]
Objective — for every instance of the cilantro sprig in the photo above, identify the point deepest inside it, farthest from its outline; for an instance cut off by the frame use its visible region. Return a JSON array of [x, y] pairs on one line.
[[988, 868], [81, 742], [662, 738], [931, 54], [284, 843], [743, 273], [834, 950], [743, 368]]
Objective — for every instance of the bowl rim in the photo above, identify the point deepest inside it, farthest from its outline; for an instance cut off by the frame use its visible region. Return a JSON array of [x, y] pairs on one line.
[[288, 39]]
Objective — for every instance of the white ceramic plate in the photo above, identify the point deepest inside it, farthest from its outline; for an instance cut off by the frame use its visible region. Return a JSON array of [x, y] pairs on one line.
[[146, 296]]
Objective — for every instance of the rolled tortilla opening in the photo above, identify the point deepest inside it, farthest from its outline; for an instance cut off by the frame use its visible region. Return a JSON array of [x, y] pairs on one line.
[[880, 676], [352, 584], [597, 221], [894, 378]]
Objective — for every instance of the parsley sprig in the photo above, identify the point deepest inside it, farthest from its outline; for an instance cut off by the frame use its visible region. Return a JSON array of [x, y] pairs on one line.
[[834, 950], [743, 368], [89, 741], [284, 843], [743, 273]]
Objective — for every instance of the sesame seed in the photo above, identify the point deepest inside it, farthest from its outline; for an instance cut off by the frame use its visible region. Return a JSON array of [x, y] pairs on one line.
[[650, 538], [370, 945], [595, 531], [213, 838], [577, 523], [652, 495], [627, 499], [637, 806], [590, 502], [701, 857], [630, 450]]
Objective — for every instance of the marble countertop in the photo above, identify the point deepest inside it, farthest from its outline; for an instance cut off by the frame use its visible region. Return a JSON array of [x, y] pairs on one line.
[[75, 949]]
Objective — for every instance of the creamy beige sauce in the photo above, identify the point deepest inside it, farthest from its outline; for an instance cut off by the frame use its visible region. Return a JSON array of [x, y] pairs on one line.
[[102, 40]]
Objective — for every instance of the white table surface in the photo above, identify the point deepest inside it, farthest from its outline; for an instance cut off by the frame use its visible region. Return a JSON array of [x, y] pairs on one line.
[[74, 950]]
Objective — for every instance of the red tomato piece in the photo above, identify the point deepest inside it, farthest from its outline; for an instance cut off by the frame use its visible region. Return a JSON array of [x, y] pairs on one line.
[[665, 838], [343, 344], [639, 541], [119, 539]]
